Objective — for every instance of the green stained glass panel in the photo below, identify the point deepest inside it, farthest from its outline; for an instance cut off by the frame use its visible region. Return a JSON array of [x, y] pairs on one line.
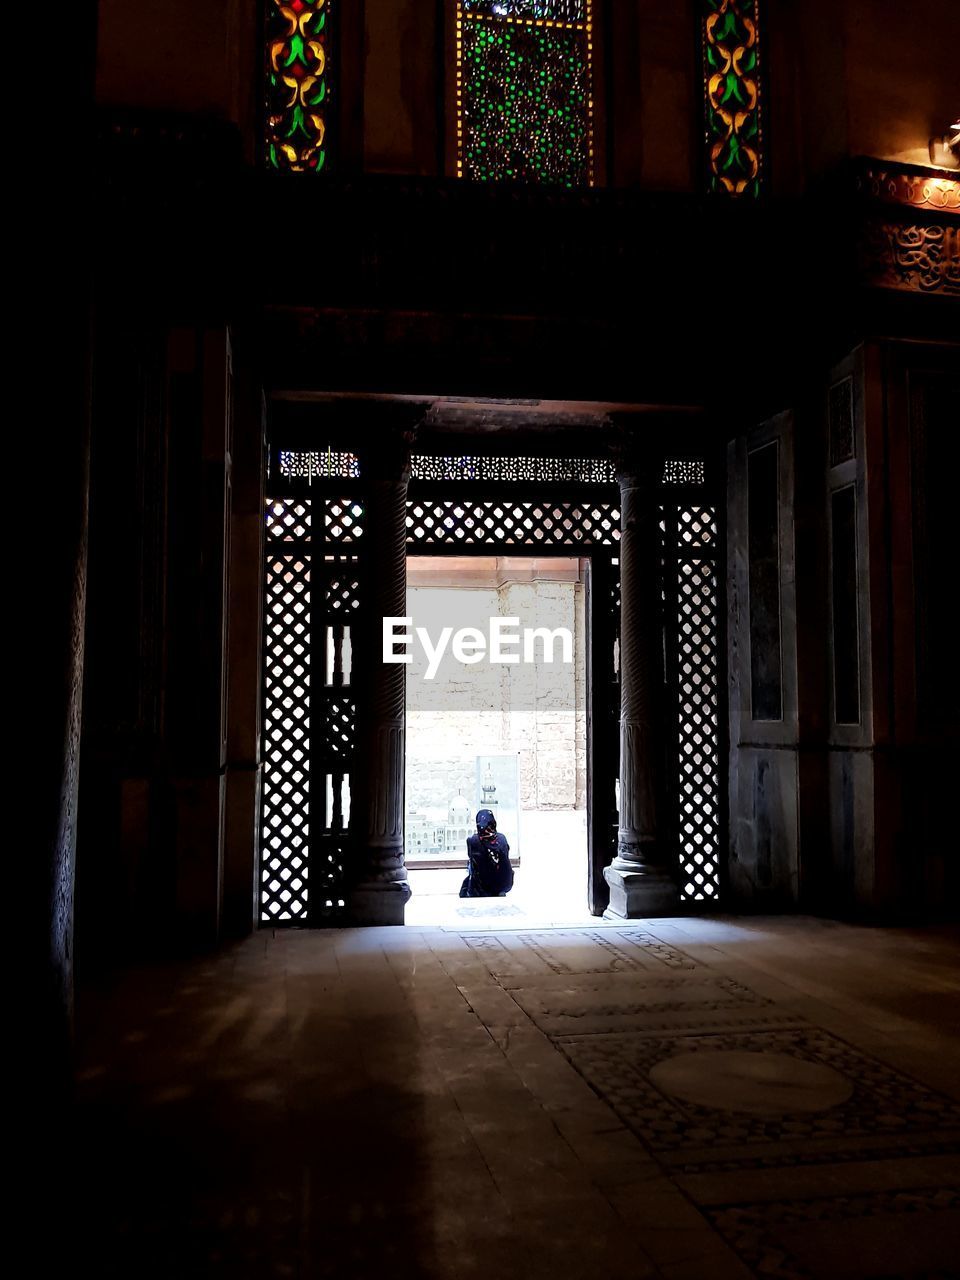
[[525, 103]]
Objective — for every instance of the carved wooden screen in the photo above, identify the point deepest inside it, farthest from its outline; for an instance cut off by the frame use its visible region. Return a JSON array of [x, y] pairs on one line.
[[503, 523], [288, 652], [691, 596], [313, 604]]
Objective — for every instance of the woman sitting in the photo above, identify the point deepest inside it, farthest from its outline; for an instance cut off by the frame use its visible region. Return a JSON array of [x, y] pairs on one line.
[[490, 874]]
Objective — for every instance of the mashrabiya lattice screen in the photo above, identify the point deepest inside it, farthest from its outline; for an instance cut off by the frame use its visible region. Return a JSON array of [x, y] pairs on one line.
[[527, 524], [313, 599], [693, 586], [513, 469], [306, 618], [285, 805], [326, 464], [315, 464]]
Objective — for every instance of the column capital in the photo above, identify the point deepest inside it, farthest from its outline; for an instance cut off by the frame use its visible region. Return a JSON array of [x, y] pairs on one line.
[[636, 453], [385, 448]]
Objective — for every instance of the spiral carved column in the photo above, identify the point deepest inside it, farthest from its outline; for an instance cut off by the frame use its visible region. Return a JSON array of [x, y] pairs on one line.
[[380, 887], [639, 878]]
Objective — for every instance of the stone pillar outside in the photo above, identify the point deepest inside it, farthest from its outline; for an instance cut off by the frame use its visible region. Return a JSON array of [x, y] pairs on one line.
[[640, 879], [380, 888]]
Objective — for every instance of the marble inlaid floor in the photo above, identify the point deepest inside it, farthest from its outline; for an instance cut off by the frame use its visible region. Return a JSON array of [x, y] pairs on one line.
[[685, 1099]]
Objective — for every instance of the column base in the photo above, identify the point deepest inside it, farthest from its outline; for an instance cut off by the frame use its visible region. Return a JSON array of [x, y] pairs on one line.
[[637, 892], [378, 903]]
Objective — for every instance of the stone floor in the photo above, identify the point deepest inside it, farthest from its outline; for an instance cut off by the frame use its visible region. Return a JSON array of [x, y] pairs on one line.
[[689, 1098]]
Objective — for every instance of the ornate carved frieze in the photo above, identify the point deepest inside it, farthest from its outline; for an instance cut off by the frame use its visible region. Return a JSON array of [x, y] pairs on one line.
[[918, 257], [918, 188], [909, 236]]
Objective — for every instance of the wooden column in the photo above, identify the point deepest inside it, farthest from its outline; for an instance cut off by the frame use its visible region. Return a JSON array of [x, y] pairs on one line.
[[640, 880], [245, 649], [380, 888]]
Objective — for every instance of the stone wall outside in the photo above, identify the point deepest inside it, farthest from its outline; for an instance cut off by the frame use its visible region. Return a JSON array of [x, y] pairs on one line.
[[537, 710]]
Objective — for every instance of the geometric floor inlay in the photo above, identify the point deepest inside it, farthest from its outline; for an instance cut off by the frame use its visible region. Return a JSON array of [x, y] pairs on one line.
[[586, 1004], [893, 1235], [750, 1105], [751, 1082], [880, 1109], [574, 951]]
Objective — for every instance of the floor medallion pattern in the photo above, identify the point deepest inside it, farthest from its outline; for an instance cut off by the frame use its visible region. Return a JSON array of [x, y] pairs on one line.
[[721, 1083]]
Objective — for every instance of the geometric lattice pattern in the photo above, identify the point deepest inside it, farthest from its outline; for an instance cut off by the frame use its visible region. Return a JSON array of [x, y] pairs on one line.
[[516, 469], [342, 520], [684, 471], [288, 519], [285, 816], [698, 709], [512, 523], [339, 718], [697, 527], [339, 600], [341, 587], [310, 464], [314, 608], [313, 598], [523, 91]]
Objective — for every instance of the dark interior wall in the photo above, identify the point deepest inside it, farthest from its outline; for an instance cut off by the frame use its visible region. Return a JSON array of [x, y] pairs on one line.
[[154, 749], [169, 54], [652, 90], [901, 75], [919, 752], [843, 743], [50, 654], [764, 871], [402, 111], [176, 56], [866, 77]]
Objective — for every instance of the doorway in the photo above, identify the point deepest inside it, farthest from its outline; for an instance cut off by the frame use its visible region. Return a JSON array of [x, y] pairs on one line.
[[504, 730], [318, 633]]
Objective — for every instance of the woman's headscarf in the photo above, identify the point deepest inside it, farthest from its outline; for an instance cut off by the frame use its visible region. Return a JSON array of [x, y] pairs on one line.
[[486, 824]]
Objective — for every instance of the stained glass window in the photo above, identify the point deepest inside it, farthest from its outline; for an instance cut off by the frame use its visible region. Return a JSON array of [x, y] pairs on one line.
[[524, 90], [730, 34], [298, 79]]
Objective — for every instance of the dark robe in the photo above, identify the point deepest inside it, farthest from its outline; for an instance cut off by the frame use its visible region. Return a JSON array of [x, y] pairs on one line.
[[490, 874]]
